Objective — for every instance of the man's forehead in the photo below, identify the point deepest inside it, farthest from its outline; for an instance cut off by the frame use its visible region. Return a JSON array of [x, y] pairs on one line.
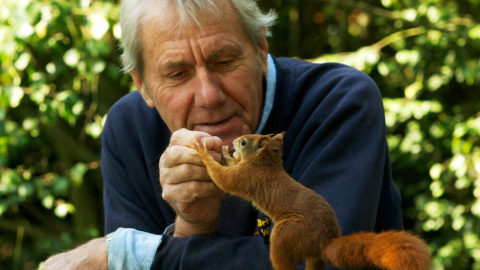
[[177, 19], [218, 34], [162, 21]]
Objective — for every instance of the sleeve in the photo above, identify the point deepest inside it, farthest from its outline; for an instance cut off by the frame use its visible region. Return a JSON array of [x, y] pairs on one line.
[[131, 249], [212, 252], [128, 198], [234, 246], [340, 151]]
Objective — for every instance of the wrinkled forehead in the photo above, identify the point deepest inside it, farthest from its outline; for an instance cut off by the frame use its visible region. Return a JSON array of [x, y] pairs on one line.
[[177, 15]]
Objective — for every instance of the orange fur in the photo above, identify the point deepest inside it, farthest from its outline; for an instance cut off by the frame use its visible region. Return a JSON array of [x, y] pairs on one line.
[[305, 226], [394, 250]]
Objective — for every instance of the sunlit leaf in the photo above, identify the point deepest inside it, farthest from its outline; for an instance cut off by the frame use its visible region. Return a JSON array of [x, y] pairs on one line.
[[77, 172], [15, 94], [98, 25], [63, 208], [71, 57], [474, 32]]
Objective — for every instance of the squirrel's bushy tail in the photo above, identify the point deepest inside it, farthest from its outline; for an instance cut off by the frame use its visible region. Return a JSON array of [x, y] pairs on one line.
[[392, 250]]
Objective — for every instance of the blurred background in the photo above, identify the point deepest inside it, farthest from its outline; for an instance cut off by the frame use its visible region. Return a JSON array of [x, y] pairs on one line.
[[60, 73]]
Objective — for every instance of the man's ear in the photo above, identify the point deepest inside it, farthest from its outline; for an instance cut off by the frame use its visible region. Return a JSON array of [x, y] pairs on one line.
[[139, 83], [263, 52]]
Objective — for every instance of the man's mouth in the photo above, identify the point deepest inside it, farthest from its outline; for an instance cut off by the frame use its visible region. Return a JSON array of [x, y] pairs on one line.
[[216, 128], [216, 123]]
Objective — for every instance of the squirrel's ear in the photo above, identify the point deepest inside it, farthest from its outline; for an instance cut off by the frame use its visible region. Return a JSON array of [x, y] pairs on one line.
[[277, 142], [263, 141], [279, 137]]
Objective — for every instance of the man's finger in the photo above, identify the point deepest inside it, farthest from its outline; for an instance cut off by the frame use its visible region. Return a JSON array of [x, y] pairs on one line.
[[186, 137], [188, 192], [183, 173], [176, 155]]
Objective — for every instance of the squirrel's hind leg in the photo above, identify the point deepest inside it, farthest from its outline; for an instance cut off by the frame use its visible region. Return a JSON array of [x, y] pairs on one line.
[[314, 264], [281, 253]]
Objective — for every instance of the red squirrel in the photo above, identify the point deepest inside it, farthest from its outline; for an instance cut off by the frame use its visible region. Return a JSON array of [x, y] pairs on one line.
[[305, 225]]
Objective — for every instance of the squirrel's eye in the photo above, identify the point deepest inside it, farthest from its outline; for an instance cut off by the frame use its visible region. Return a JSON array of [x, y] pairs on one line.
[[243, 142]]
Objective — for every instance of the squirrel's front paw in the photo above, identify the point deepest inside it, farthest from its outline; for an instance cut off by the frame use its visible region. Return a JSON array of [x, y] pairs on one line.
[[226, 157], [200, 149], [196, 146]]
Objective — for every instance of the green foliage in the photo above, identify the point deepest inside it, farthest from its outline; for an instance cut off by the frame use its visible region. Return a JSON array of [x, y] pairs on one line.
[[425, 57], [60, 72]]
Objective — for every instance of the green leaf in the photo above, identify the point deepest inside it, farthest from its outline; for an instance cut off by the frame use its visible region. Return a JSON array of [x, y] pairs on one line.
[[77, 172]]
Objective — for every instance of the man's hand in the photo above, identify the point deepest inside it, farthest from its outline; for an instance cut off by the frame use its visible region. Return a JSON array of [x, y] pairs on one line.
[[92, 255], [186, 185]]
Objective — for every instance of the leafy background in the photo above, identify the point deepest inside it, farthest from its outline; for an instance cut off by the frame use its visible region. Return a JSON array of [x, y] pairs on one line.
[[60, 72]]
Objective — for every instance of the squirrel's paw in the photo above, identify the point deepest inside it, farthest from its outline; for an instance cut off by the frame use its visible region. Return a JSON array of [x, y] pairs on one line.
[[196, 146], [226, 157]]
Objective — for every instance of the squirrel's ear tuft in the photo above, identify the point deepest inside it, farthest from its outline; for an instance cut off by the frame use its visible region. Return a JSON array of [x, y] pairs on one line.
[[279, 137], [276, 142]]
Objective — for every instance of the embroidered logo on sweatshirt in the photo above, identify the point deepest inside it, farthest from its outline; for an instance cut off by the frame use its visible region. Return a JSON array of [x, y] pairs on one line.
[[264, 225]]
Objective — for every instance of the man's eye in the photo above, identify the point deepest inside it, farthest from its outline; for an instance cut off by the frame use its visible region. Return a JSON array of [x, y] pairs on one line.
[[177, 75], [226, 62]]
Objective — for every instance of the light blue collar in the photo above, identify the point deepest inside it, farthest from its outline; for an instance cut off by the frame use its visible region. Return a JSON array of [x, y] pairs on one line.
[[271, 80]]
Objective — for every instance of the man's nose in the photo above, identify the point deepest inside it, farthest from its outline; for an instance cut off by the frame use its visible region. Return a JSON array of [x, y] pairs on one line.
[[209, 93]]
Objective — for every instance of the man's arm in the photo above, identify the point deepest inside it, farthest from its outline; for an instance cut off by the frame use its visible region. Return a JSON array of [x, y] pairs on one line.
[[89, 256], [186, 185], [213, 252]]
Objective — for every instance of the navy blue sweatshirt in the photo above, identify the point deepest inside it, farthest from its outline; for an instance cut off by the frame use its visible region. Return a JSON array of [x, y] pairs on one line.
[[335, 144]]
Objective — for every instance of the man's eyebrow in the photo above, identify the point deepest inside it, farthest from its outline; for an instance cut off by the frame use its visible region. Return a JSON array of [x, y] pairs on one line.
[[225, 50], [170, 65]]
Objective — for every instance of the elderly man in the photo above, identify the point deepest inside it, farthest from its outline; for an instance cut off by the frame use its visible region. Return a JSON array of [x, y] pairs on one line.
[[203, 73]]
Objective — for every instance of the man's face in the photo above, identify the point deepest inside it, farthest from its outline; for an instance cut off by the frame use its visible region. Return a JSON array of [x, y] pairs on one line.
[[206, 79]]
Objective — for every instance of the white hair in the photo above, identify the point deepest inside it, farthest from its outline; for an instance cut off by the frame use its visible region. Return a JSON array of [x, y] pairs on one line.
[[132, 15]]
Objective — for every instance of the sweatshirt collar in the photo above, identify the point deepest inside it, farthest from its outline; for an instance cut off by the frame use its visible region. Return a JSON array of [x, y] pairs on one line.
[[271, 82]]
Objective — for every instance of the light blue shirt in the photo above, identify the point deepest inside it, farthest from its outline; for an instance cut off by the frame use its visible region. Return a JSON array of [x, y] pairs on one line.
[[271, 79], [133, 249]]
